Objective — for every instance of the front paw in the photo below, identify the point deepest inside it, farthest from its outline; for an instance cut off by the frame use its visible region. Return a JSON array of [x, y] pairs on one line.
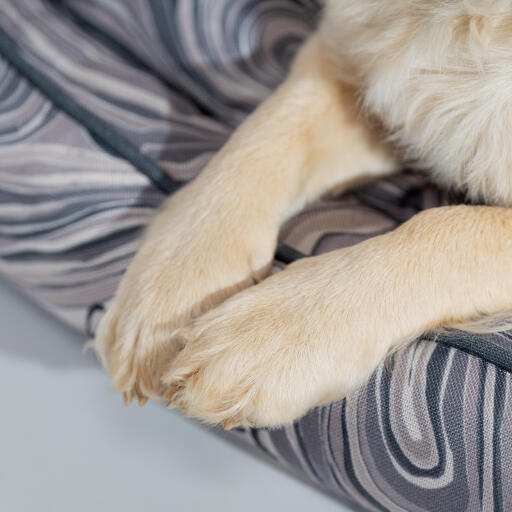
[[230, 373], [274, 351], [193, 256]]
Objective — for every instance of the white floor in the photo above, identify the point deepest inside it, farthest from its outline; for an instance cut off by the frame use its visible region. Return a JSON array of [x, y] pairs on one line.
[[68, 444]]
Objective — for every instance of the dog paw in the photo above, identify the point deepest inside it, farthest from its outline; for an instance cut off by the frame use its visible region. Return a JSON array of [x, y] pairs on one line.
[[193, 256], [269, 354], [133, 344]]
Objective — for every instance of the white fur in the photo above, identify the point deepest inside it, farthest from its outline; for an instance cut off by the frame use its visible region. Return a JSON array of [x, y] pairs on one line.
[[439, 75]]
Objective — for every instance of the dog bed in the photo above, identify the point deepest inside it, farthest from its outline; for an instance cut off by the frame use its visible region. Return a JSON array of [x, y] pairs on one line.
[[106, 106]]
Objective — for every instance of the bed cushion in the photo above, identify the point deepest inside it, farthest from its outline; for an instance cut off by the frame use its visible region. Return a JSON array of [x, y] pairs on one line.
[[168, 81]]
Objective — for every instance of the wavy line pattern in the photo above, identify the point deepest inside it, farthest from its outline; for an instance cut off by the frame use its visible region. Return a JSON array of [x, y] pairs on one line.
[[430, 430], [226, 55], [426, 433]]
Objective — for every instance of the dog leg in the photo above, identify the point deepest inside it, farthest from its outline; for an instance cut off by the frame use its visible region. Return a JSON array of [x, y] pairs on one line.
[[217, 235], [316, 331]]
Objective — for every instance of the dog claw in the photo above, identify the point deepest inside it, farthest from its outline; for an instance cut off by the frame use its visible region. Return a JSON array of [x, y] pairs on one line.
[[171, 393], [127, 397], [229, 424], [173, 402], [142, 401]]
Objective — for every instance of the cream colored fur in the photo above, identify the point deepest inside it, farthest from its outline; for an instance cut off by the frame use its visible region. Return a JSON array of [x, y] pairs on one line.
[[438, 74], [181, 328]]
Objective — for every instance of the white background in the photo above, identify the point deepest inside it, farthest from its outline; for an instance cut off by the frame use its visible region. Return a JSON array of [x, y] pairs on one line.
[[67, 444]]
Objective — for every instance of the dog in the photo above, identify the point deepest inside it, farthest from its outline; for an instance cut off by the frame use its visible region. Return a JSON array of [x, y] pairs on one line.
[[198, 322]]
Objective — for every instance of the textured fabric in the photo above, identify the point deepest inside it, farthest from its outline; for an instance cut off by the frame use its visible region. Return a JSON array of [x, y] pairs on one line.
[[71, 239], [429, 431]]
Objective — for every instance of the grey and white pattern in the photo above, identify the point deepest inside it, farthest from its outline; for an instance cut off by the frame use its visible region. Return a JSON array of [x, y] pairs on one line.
[[430, 430]]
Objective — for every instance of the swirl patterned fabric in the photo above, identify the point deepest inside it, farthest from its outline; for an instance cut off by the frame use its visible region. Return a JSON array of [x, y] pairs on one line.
[[430, 430]]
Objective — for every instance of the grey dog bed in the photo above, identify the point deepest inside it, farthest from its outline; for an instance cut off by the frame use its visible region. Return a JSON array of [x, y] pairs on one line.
[[106, 106]]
